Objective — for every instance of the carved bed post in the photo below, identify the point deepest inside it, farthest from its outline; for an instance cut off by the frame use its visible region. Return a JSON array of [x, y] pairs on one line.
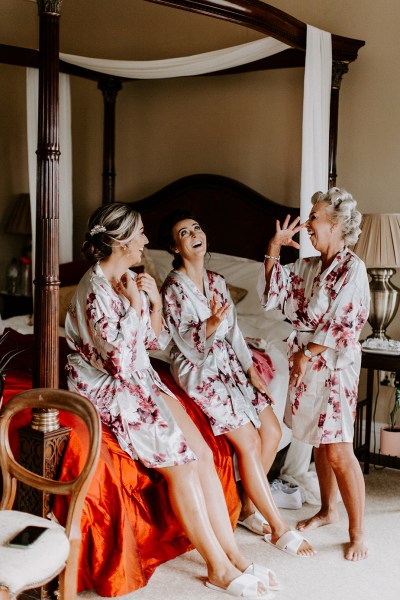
[[110, 88], [42, 443], [338, 70], [47, 199]]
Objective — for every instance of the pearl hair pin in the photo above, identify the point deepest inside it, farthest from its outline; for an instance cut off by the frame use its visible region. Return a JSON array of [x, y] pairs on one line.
[[97, 229]]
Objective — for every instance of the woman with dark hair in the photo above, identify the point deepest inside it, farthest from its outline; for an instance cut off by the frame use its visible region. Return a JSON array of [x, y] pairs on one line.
[[326, 298], [114, 319], [213, 365]]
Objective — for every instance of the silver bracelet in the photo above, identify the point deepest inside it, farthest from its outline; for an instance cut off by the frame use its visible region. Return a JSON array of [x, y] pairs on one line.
[[278, 258]]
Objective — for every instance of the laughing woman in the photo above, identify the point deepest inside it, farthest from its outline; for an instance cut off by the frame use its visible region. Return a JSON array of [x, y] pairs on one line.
[[114, 319], [211, 362], [326, 298]]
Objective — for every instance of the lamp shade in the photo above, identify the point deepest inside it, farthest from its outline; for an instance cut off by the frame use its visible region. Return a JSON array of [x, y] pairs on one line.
[[19, 221], [379, 243]]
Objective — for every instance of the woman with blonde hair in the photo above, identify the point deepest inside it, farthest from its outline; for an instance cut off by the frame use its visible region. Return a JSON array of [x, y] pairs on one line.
[[113, 321]]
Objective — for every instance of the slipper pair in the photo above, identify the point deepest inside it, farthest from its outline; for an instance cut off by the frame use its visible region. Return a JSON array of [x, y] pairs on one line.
[[254, 523], [289, 542], [244, 586]]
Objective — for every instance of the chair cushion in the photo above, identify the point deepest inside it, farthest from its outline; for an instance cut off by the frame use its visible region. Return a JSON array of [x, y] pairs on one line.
[[25, 568]]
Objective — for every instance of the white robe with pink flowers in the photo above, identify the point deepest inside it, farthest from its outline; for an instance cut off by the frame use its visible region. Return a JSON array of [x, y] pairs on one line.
[[111, 367], [330, 309], [212, 370]]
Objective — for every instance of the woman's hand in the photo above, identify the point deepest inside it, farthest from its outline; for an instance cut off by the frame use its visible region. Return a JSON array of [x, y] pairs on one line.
[[146, 283], [127, 287], [285, 232], [257, 382], [297, 368], [218, 314], [283, 237]]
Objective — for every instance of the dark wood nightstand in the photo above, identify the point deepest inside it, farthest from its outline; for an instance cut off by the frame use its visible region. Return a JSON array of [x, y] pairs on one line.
[[15, 304], [362, 435]]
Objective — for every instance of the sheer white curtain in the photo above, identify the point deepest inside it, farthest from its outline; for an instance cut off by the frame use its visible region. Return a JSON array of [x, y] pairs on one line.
[[65, 179], [316, 105], [183, 66], [316, 111]]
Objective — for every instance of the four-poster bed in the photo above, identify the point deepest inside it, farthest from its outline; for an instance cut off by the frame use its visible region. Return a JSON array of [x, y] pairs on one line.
[[207, 195]]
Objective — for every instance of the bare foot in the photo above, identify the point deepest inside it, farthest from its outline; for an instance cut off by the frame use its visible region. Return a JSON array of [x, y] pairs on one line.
[[306, 549], [318, 520], [357, 550]]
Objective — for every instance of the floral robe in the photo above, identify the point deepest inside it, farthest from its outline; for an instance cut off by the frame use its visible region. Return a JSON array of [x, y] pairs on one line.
[[211, 370], [328, 308], [111, 367]]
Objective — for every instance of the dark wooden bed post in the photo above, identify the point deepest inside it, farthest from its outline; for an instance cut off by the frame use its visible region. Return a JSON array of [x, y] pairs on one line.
[[47, 200], [110, 88], [338, 70], [43, 441]]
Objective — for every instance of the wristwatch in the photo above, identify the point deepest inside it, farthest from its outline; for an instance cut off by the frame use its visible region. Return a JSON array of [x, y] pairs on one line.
[[308, 353]]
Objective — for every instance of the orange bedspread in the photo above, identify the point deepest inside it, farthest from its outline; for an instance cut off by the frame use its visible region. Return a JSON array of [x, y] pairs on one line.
[[128, 527]]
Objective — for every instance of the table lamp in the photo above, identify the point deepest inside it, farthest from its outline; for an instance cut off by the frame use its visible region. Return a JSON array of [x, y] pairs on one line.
[[19, 223], [19, 220], [379, 247]]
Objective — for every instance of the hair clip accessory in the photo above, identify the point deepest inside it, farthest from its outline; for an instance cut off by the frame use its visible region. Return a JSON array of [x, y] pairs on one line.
[[97, 229]]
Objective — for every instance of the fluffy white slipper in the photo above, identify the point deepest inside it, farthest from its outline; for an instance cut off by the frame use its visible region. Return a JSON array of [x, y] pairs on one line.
[[265, 575], [244, 586], [254, 523], [289, 542]]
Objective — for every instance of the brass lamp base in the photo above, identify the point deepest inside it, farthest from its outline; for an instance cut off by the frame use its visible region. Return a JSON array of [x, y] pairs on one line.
[[385, 298]]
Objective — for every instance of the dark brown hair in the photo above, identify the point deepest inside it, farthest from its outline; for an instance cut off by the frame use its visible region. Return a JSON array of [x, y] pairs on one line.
[[165, 234]]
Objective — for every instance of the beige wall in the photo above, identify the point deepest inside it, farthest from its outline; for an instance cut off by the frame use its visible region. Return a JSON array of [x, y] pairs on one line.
[[247, 127]]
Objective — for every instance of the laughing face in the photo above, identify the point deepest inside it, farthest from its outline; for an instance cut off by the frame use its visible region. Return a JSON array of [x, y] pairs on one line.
[[136, 245], [319, 226], [190, 240]]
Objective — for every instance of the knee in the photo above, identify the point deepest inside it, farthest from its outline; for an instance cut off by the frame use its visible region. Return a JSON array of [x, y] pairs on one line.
[[275, 434], [271, 435], [339, 455], [250, 445], [205, 455]]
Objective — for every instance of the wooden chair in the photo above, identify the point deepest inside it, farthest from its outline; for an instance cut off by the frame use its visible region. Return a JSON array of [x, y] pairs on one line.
[[56, 551]]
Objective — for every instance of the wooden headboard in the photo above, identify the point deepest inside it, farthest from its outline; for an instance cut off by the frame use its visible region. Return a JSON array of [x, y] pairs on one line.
[[238, 220]]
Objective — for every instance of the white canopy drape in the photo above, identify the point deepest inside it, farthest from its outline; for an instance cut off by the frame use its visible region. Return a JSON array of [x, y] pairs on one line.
[[184, 66], [316, 106], [316, 112]]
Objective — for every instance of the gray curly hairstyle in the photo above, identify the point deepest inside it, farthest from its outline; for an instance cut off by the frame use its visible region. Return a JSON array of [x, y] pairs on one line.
[[341, 209]]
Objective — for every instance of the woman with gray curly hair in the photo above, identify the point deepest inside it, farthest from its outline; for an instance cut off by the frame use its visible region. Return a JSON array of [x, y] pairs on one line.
[[326, 298]]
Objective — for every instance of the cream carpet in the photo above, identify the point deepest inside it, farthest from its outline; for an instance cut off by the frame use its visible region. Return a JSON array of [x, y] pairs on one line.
[[326, 576]]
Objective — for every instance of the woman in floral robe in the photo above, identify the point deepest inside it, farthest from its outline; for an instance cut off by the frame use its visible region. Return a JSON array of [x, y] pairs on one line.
[[326, 298], [211, 362], [114, 319]]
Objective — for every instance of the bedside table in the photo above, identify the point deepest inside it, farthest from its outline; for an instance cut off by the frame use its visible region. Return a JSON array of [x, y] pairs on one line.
[[15, 304], [372, 362]]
